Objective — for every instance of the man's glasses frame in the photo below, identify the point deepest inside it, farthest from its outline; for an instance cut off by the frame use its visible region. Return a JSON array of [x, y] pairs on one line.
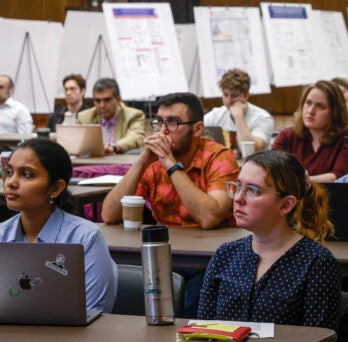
[[171, 124]]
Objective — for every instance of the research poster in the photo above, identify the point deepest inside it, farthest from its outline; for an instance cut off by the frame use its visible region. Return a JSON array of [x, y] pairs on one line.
[[291, 43], [231, 37], [29, 55], [145, 49], [85, 50], [187, 39], [332, 46]]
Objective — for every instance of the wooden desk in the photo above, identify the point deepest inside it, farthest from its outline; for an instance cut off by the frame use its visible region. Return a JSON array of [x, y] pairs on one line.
[[191, 247], [111, 328], [13, 139], [82, 195], [112, 159]]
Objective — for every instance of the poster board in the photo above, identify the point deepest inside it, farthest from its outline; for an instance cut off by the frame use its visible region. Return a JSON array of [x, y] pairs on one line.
[[332, 47], [187, 39], [145, 49], [30, 50], [291, 43], [79, 43], [231, 37]]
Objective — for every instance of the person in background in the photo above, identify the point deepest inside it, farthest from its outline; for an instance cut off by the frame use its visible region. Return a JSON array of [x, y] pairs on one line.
[[251, 123], [319, 138], [279, 273], [38, 174], [14, 116], [343, 85], [123, 126], [75, 89], [182, 175]]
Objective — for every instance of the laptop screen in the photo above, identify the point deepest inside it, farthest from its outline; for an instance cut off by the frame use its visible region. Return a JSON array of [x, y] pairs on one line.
[[81, 140]]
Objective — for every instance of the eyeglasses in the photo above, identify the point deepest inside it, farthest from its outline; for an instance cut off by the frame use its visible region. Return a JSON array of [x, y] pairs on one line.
[[249, 192], [170, 124]]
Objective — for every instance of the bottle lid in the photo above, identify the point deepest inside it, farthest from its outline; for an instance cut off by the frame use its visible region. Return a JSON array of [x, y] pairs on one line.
[[155, 234]]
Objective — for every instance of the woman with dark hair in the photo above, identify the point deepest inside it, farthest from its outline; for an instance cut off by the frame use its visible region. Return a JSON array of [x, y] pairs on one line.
[[38, 174], [319, 138], [278, 273]]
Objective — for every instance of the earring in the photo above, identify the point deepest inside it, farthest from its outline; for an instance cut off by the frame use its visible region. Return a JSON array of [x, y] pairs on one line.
[[51, 199]]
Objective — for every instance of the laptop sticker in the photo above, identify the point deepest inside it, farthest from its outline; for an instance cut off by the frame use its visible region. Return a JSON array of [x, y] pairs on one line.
[[24, 283], [58, 265]]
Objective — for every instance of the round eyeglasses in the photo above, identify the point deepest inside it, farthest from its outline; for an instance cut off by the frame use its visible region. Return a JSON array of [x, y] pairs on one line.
[[170, 124], [249, 192]]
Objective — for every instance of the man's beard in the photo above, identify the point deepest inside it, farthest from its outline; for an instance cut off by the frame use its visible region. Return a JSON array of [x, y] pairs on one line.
[[185, 145]]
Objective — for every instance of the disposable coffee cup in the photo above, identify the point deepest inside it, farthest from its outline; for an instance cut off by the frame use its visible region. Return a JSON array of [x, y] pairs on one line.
[[248, 148], [69, 118], [43, 132], [132, 212], [5, 157]]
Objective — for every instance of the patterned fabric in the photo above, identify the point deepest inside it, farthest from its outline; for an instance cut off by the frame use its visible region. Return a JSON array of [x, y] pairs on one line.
[[332, 158], [212, 166], [301, 288], [343, 179]]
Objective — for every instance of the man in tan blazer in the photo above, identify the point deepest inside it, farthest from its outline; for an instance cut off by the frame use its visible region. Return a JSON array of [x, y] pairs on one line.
[[123, 126]]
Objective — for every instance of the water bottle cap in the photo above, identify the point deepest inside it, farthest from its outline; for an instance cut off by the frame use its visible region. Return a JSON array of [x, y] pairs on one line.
[[155, 234]]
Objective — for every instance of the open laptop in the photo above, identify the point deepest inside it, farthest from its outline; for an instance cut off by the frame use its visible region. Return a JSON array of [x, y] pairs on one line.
[[43, 283], [214, 133], [338, 199], [81, 140]]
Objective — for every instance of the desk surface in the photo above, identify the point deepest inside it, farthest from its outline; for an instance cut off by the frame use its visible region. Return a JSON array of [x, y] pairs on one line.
[[133, 328], [12, 139], [192, 246], [110, 159]]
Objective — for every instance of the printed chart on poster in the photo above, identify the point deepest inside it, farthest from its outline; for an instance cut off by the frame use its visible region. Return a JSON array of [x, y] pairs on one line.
[[332, 48], [145, 49], [30, 51], [291, 43], [231, 37], [85, 49], [187, 39]]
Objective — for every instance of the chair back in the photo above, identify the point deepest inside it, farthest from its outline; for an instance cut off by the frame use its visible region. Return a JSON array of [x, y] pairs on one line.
[[130, 292]]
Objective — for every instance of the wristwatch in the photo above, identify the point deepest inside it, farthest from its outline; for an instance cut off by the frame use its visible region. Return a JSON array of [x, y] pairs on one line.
[[176, 166]]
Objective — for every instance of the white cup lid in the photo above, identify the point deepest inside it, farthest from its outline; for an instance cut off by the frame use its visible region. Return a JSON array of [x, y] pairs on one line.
[[132, 200]]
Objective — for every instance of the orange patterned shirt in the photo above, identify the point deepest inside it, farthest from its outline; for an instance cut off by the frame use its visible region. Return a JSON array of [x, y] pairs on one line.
[[212, 166]]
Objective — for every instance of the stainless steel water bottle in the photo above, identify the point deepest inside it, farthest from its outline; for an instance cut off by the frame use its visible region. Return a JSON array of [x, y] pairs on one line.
[[158, 281]]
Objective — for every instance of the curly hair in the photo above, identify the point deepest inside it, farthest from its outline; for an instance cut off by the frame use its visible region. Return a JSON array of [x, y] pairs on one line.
[[235, 79]]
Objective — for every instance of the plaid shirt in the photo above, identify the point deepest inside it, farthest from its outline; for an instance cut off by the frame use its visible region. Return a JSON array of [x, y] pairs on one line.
[[212, 166]]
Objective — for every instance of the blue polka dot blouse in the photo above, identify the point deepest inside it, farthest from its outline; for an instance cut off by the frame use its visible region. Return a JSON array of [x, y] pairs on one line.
[[301, 288]]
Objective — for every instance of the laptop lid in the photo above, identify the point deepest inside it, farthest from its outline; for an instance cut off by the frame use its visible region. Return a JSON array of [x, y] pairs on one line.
[[338, 199], [43, 283], [81, 140], [214, 133]]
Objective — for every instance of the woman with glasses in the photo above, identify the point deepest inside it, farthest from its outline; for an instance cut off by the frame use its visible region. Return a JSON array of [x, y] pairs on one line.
[[319, 138], [279, 273]]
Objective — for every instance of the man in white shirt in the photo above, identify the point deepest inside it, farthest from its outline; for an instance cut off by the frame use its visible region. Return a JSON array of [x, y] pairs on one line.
[[14, 116], [249, 122]]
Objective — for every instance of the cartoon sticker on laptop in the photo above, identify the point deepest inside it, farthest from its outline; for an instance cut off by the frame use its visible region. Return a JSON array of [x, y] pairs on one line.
[[58, 264], [24, 283]]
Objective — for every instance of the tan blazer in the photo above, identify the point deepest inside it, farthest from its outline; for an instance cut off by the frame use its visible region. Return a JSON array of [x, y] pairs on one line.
[[130, 125]]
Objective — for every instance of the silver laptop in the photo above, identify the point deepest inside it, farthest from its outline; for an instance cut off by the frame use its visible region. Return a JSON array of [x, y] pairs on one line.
[[81, 140], [43, 283]]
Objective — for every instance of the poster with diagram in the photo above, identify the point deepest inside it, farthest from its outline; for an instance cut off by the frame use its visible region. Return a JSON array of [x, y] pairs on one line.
[[332, 47], [231, 37], [291, 43], [145, 49]]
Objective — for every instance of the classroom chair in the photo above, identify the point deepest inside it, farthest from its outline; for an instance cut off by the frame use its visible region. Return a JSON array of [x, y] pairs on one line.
[[130, 292]]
